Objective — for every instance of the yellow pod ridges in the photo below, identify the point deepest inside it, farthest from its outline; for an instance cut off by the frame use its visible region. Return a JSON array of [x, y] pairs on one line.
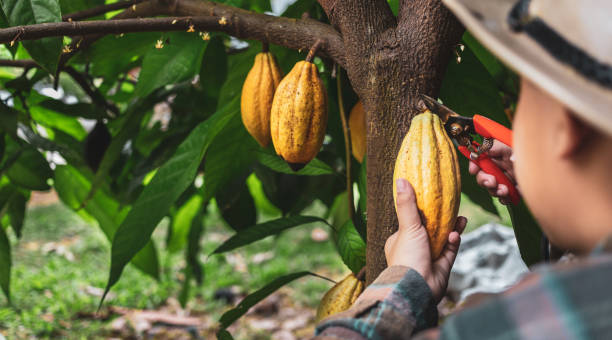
[[299, 115], [357, 125], [427, 159], [257, 95], [340, 297]]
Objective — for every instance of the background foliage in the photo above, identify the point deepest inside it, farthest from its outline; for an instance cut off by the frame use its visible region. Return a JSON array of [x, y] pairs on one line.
[[161, 138]]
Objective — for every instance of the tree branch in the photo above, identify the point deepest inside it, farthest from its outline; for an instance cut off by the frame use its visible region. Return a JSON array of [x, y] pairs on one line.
[[207, 16], [99, 10]]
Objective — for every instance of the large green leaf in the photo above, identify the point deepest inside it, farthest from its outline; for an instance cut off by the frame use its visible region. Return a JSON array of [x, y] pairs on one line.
[[230, 155], [263, 230], [8, 119], [71, 6], [236, 204], [505, 78], [179, 59], [351, 247], [475, 192], [163, 190], [52, 119], [45, 51], [31, 170], [73, 185], [103, 53], [5, 264], [224, 335], [252, 299], [528, 233], [182, 222], [16, 211], [314, 168], [129, 127], [469, 89]]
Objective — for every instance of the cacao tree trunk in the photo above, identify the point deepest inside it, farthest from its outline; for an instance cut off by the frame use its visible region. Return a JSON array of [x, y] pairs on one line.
[[390, 60]]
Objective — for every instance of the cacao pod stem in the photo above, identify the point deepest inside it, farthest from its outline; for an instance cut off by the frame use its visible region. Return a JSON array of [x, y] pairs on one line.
[[313, 50]]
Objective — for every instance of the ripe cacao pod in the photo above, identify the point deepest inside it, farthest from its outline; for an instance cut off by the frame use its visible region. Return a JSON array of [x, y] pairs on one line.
[[257, 95], [299, 115], [357, 124], [340, 297], [427, 159]]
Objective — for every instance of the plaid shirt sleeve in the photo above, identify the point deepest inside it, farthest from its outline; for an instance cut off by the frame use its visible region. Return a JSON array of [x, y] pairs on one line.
[[568, 301], [398, 303]]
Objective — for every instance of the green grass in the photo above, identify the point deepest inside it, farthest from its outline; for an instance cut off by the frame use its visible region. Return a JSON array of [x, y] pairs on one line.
[[50, 293]]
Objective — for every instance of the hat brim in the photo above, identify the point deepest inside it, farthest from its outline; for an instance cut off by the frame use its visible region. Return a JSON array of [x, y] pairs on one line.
[[487, 20]]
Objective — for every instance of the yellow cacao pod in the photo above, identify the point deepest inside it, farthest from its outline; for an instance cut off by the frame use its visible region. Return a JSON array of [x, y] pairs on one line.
[[299, 115], [257, 95], [427, 159], [340, 297], [357, 124]]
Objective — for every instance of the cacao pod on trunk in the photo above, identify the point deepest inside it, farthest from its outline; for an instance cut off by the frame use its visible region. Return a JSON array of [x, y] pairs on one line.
[[357, 125], [427, 159], [257, 95], [299, 115], [340, 297]]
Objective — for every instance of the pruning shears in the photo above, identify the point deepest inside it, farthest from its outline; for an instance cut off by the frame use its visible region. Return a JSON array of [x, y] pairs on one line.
[[462, 128]]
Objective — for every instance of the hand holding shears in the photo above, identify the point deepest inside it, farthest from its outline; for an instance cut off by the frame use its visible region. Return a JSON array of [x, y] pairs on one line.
[[462, 128]]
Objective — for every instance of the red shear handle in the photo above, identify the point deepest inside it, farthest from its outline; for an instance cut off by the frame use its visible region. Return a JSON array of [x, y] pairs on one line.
[[491, 129], [487, 165]]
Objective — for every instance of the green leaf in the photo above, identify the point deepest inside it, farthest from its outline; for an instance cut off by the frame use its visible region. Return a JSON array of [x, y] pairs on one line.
[[314, 168], [84, 110], [103, 54], [252, 299], [230, 155], [71, 6], [214, 68], [224, 335], [182, 221], [506, 79], [339, 211], [130, 125], [30, 171], [394, 4], [179, 60], [72, 186], [163, 190], [236, 205], [193, 247], [351, 247], [56, 120], [16, 211], [45, 51], [5, 264], [263, 230], [469, 89], [528, 233], [8, 119], [475, 192]]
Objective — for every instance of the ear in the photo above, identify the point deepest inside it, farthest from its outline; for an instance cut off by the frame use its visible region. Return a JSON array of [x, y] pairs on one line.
[[572, 135]]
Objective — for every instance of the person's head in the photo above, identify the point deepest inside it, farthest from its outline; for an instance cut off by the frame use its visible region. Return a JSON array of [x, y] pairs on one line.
[[563, 123], [564, 170]]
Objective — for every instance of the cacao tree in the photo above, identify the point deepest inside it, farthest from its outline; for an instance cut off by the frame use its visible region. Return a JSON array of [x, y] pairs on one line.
[[141, 118]]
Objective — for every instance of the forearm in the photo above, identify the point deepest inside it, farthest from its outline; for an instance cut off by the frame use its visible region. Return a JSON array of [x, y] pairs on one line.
[[396, 305]]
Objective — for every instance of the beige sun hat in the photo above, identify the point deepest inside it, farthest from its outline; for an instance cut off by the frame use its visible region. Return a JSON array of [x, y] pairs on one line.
[[563, 46]]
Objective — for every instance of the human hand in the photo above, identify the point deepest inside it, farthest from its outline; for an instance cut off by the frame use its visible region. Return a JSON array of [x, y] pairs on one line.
[[501, 155], [409, 246]]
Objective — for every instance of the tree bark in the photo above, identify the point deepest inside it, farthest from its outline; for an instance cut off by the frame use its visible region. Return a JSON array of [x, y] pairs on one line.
[[389, 62]]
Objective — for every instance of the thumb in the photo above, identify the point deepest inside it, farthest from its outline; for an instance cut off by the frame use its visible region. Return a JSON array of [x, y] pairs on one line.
[[406, 207]]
